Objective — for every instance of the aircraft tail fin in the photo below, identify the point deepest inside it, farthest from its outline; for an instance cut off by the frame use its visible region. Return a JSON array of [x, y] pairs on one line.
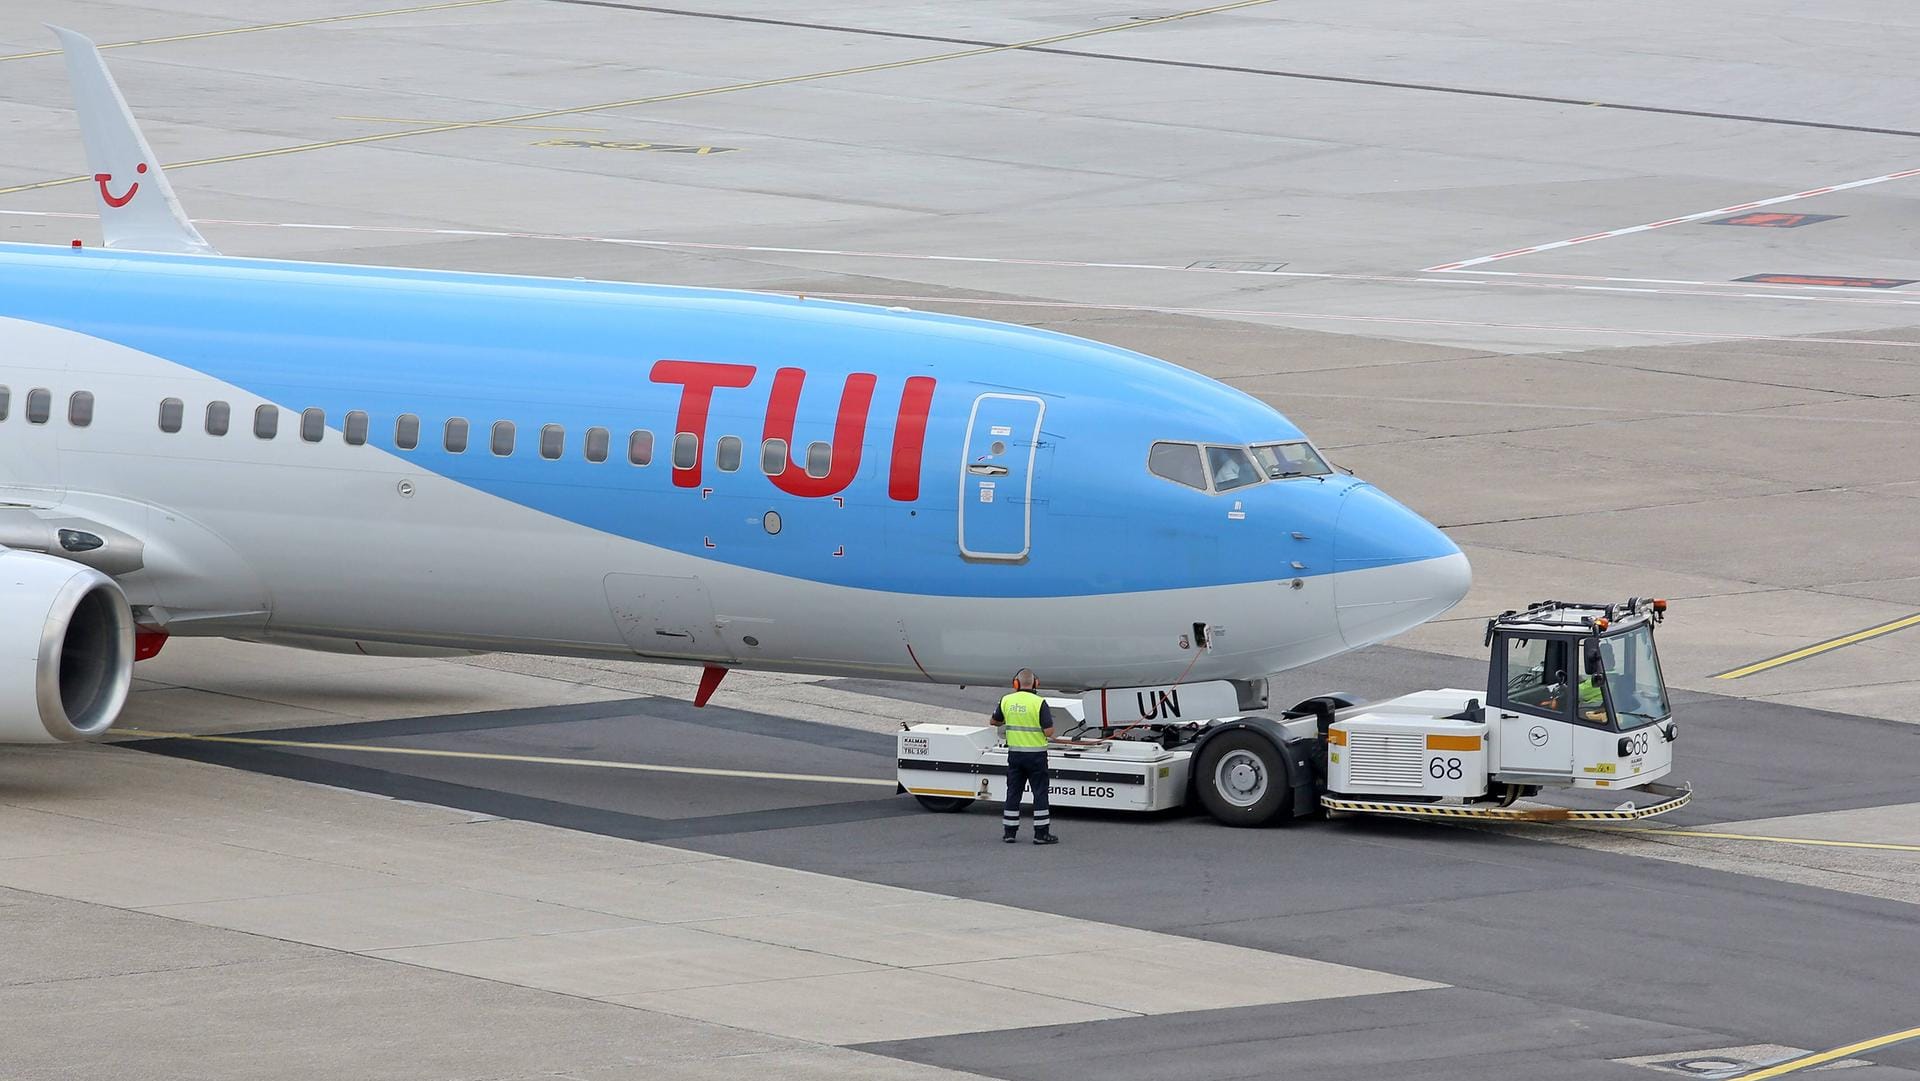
[[138, 210]]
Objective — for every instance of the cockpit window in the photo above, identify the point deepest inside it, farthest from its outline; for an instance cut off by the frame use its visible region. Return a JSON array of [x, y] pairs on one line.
[[1177, 462], [1281, 460], [1231, 467]]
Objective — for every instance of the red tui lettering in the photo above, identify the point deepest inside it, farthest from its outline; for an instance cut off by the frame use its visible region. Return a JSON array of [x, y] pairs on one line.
[[698, 379], [849, 430], [910, 438]]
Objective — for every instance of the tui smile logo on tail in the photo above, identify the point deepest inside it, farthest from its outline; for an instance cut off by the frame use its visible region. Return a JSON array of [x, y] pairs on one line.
[[118, 201]]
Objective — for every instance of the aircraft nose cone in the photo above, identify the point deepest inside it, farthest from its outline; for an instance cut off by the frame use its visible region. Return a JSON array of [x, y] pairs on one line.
[[1393, 570]]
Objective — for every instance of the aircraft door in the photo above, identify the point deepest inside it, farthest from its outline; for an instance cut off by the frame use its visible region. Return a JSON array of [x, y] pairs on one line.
[[996, 478]]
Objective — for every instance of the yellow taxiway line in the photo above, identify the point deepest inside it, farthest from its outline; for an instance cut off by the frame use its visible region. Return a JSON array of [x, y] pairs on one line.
[[423, 120], [1878, 846], [541, 760], [1821, 1058], [265, 26], [1819, 648], [604, 106]]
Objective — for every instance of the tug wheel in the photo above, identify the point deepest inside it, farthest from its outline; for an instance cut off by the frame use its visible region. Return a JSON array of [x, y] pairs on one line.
[[944, 804], [1242, 779]]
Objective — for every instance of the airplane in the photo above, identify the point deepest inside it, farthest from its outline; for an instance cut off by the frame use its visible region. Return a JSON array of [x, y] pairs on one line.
[[419, 462]]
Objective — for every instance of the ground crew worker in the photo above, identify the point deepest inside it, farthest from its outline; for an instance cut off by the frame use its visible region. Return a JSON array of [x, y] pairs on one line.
[[1593, 705], [1029, 724]]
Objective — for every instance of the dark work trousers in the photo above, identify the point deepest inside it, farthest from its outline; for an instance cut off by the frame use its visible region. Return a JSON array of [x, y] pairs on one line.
[[1027, 769]]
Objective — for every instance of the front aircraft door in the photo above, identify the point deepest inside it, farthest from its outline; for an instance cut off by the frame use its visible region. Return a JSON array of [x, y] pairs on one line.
[[996, 478]]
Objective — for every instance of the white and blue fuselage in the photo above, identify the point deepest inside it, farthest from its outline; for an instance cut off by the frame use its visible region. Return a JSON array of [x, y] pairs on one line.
[[321, 453]]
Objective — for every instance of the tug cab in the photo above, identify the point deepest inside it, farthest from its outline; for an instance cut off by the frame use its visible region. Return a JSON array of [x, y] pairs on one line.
[[1575, 695]]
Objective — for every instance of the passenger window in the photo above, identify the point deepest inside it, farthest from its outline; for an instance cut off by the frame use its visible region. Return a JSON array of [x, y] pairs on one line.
[[313, 424], [456, 436], [266, 422], [502, 438], [640, 448], [819, 459], [1177, 462], [173, 413], [727, 455], [406, 431], [773, 457], [39, 406], [1231, 467], [598, 442], [80, 408], [686, 450], [553, 441], [219, 418], [6, 399], [354, 431]]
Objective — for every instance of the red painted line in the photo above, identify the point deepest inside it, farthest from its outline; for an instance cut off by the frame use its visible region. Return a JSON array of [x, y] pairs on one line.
[[916, 662], [1589, 236]]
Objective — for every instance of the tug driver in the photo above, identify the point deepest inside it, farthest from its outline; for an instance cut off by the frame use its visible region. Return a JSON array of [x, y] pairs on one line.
[[1029, 725]]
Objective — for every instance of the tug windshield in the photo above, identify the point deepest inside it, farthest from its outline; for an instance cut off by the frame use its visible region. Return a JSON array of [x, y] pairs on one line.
[[1634, 685]]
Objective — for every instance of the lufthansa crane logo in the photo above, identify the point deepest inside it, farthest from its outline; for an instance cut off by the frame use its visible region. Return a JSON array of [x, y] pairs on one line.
[[118, 201], [1537, 735]]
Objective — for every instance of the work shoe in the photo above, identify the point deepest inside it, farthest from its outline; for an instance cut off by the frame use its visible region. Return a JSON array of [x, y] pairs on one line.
[[1009, 834], [1043, 837]]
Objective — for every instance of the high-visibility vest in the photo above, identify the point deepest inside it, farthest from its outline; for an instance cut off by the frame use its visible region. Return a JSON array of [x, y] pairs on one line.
[[1590, 693], [1021, 709]]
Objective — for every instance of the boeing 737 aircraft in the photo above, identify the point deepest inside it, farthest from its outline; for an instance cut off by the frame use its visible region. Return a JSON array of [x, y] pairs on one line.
[[411, 461]]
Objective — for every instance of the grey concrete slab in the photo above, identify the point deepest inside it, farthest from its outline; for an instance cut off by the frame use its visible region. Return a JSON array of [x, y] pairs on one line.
[[1449, 1034]]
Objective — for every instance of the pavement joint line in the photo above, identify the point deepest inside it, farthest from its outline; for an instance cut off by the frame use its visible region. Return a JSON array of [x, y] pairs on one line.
[[1307, 76], [230, 31], [1682, 219], [1819, 648], [541, 760], [656, 99], [1820, 1058]]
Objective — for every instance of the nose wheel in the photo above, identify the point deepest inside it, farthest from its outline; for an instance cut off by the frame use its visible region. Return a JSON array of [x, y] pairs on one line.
[[1242, 779]]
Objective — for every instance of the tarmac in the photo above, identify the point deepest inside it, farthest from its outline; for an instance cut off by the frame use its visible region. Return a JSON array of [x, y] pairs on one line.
[[1615, 294]]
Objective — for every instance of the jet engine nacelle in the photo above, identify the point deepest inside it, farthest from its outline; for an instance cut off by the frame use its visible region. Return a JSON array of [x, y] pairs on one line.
[[66, 649]]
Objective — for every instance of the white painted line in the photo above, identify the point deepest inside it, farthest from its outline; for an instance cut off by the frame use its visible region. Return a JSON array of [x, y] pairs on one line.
[[1628, 410], [531, 759], [1662, 224], [1711, 290], [1632, 332], [1747, 288], [1852, 291]]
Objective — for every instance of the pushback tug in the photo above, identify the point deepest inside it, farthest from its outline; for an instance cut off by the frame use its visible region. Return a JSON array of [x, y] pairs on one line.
[[1574, 699]]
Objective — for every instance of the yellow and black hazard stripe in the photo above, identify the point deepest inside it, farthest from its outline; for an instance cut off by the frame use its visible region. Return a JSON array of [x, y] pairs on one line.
[[1505, 814]]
